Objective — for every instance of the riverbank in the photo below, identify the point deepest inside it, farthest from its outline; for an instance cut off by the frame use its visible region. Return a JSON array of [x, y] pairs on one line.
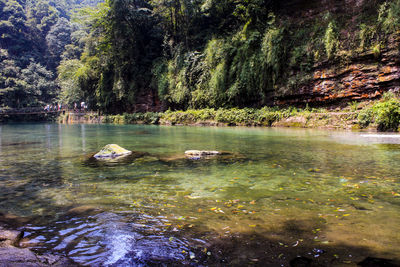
[[379, 115]]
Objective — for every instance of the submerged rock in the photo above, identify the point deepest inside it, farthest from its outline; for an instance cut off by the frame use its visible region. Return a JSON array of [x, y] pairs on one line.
[[112, 151], [200, 153], [11, 255], [86, 209], [222, 156], [10, 237], [23, 257]]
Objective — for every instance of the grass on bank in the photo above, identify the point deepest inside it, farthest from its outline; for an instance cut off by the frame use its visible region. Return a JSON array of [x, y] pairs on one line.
[[384, 115], [233, 117]]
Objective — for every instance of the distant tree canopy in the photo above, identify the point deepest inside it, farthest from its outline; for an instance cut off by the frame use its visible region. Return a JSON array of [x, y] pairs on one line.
[[189, 53], [137, 46], [33, 36]]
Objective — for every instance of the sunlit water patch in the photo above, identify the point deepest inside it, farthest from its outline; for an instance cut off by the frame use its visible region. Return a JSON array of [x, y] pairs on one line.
[[272, 195]]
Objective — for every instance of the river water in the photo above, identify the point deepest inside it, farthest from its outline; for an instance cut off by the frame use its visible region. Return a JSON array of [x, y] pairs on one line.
[[331, 197]]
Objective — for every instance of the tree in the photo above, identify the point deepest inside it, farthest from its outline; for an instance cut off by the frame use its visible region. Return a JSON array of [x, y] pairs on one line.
[[58, 37], [69, 81]]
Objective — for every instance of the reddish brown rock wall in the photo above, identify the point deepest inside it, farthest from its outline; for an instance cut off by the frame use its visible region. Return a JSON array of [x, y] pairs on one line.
[[364, 77]]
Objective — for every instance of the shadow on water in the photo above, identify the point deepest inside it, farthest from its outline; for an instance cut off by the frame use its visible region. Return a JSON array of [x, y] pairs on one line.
[[288, 245], [22, 144], [29, 178], [256, 250]]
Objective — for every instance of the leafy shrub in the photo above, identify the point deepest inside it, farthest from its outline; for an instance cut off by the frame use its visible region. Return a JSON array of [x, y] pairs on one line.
[[132, 118], [331, 40], [266, 116], [389, 16], [365, 117], [387, 115], [354, 106], [236, 116]]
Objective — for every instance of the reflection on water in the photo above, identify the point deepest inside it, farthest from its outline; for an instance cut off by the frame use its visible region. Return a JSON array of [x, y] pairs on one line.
[[282, 191]]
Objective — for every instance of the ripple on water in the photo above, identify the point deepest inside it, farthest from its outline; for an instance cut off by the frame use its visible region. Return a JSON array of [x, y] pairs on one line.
[[108, 239]]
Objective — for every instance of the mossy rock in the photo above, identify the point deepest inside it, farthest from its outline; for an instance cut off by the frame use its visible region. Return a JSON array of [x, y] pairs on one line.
[[112, 151]]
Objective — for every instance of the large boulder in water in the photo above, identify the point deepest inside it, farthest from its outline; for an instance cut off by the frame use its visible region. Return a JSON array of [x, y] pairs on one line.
[[112, 151]]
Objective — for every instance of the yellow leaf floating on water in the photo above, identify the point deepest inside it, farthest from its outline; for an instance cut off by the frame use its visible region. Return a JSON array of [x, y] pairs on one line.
[[252, 225]]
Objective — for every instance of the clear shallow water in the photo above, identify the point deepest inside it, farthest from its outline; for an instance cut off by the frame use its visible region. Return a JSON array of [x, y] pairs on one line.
[[278, 194]]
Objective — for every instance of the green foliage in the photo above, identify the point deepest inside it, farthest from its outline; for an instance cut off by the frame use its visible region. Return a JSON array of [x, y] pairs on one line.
[[147, 118], [115, 68], [211, 54], [134, 118], [365, 117], [237, 72], [234, 116], [69, 75], [331, 40], [33, 36], [389, 16], [188, 116], [354, 106], [367, 35], [385, 113]]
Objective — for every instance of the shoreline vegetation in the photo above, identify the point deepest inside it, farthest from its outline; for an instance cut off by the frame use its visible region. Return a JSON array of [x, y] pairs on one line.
[[380, 115]]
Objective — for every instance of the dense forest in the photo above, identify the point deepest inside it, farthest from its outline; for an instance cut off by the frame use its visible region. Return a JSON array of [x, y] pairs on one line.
[[180, 54], [34, 37]]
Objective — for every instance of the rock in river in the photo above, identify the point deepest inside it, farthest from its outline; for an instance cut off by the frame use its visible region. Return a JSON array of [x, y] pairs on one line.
[[10, 237], [112, 151], [13, 256], [200, 153]]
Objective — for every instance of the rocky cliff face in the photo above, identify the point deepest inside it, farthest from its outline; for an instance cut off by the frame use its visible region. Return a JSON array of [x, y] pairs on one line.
[[364, 77], [361, 76]]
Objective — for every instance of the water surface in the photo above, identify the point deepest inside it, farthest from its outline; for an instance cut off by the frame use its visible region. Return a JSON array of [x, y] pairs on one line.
[[279, 193]]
